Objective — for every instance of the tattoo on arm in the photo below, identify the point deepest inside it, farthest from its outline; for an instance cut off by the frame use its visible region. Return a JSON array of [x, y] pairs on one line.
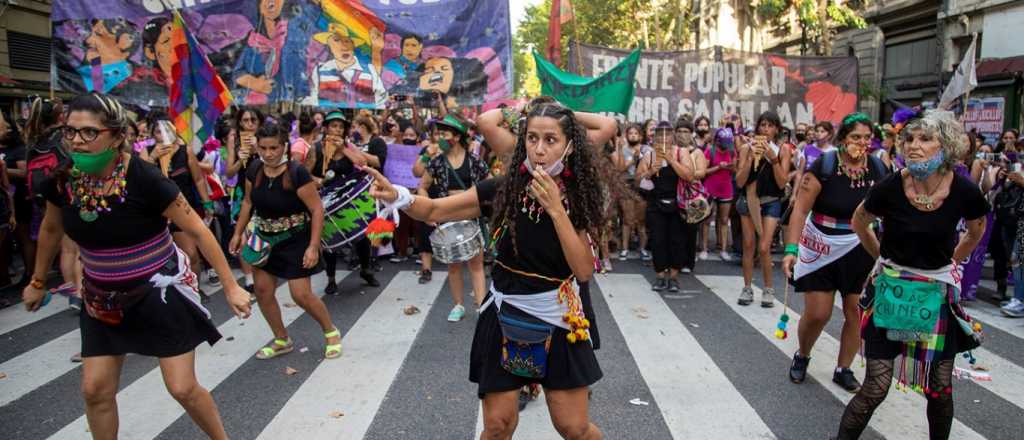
[[180, 202]]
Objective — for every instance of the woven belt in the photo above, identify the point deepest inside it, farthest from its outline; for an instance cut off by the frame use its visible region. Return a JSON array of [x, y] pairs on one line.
[[129, 263], [831, 222], [281, 224]]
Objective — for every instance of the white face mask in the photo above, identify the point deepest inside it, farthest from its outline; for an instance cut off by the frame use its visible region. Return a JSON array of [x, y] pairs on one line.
[[555, 167]]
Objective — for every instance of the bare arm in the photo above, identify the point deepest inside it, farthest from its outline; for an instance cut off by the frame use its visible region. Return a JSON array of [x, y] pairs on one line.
[[682, 167], [744, 164], [425, 181], [780, 164], [599, 128], [50, 234], [810, 187], [311, 198], [181, 214], [245, 213], [488, 124], [198, 177], [970, 240], [862, 220]]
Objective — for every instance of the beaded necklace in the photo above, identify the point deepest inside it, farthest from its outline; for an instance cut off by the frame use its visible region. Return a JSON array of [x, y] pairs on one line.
[[533, 209], [87, 192], [856, 174]]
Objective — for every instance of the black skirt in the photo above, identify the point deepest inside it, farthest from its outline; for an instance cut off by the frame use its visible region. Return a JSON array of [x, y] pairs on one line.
[[152, 327], [285, 259], [570, 366], [877, 346], [846, 275]]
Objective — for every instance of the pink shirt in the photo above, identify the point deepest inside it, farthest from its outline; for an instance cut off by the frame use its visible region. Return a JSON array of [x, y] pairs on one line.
[[719, 183], [300, 146]]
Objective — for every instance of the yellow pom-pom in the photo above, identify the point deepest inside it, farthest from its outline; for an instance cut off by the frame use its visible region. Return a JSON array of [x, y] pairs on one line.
[[780, 334], [571, 337], [586, 323], [977, 326]]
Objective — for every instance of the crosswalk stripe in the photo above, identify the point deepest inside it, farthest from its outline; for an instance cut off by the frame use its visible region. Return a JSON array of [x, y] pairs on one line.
[[15, 316], [145, 409], [534, 422], [38, 366], [990, 315], [675, 366], [891, 419], [356, 384]]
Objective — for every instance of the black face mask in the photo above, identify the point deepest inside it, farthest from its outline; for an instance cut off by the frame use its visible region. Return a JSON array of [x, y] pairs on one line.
[[409, 141], [800, 137], [388, 126], [632, 142], [701, 132]]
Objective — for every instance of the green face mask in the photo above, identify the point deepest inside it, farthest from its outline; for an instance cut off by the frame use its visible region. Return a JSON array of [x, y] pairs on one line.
[[93, 163], [444, 145]]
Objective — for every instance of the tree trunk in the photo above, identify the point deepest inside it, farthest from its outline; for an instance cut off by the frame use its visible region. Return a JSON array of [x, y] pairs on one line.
[[825, 29]]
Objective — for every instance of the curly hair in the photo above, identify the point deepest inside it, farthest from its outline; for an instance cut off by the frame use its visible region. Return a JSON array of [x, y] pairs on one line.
[[943, 126], [583, 189]]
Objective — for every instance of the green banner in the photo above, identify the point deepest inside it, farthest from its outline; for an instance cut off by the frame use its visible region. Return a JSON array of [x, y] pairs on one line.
[[610, 92]]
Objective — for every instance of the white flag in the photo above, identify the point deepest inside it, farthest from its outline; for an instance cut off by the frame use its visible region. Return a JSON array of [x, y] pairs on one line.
[[964, 80]]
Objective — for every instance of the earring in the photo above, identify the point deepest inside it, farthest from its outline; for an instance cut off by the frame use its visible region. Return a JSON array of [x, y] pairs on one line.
[[522, 168], [566, 173]]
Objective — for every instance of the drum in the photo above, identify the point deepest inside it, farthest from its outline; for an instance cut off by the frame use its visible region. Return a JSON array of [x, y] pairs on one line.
[[348, 209], [457, 242]]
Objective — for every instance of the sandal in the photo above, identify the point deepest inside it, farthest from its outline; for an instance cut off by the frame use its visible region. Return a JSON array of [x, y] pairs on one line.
[[332, 351], [276, 348]]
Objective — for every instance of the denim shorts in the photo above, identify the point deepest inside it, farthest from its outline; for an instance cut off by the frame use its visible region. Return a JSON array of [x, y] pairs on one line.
[[769, 209]]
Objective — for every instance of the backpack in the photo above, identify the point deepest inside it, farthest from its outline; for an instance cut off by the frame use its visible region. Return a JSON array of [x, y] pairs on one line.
[[42, 159], [692, 200]]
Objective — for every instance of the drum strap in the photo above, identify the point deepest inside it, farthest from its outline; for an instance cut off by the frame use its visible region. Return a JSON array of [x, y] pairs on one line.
[[451, 170]]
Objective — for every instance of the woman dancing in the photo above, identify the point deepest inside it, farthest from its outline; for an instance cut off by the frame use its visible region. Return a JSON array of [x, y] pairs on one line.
[[140, 295], [543, 212], [920, 208]]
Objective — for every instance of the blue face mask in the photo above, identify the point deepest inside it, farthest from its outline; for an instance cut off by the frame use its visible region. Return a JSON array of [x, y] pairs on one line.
[[921, 170]]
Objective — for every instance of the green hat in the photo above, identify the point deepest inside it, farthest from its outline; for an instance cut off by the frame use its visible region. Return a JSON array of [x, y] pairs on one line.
[[450, 122], [335, 114]]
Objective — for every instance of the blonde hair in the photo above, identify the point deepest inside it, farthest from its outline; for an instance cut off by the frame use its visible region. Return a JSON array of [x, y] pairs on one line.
[[943, 126]]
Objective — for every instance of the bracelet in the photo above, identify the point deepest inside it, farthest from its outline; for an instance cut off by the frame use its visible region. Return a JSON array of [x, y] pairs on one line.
[[37, 283], [792, 249], [425, 158]]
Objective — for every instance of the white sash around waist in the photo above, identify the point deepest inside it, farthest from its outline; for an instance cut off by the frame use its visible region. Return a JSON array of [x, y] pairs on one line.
[[185, 282], [543, 306], [950, 274], [818, 249]]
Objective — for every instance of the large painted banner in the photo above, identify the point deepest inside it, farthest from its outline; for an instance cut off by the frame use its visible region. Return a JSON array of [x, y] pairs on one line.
[[325, 53], [718, 81]]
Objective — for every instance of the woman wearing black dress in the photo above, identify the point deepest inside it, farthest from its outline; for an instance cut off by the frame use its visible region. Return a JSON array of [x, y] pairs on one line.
[[140, 296], [545, 208], [284, 208], [824, 252], [920, 208]]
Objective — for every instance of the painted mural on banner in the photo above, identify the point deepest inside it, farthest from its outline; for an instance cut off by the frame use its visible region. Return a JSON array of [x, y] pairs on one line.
[[718, 81], [324, 53]]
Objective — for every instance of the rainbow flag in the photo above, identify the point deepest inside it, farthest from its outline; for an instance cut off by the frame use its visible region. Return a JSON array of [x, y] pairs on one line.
[[198, 96], [353, 15]]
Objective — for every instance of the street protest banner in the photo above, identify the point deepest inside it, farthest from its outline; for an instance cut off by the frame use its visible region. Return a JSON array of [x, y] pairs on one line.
[[398, 167], [717, 81], [612, 91], [986, 116], [324, 53]]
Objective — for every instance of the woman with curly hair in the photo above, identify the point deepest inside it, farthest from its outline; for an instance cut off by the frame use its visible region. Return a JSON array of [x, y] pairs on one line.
[[543, 212], [920, 208]]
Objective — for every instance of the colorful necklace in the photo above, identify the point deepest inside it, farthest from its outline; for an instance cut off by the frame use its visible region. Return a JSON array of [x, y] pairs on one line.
[[533, 209], [88, 192], [856, 174]]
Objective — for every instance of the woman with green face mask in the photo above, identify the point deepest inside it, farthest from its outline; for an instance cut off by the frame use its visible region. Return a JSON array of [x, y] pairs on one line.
[[454, 171], [139, 293]]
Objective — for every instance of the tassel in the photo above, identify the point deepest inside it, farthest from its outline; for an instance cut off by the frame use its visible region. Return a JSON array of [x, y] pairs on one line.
[[522, 168], [380, 231]]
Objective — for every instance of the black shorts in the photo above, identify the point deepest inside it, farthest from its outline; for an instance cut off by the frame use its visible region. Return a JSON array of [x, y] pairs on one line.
[[846, 275]]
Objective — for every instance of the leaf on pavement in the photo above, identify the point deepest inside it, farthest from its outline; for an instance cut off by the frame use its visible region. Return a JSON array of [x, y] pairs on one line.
[[290, 371], [336, 414]]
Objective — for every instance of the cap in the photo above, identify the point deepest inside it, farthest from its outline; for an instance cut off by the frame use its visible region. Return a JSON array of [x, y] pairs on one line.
[[450, 122], [664, 125], [335, 114]]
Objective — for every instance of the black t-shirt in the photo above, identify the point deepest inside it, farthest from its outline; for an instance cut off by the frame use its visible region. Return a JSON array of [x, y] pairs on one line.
[[538, 246], [13, 155], [379, 148], [270, 199], [666, 183], [919, 239], [341, 167], [127, 224], [181, 175], [837, 198]]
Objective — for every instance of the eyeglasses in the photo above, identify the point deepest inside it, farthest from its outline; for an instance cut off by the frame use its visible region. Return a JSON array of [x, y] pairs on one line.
[[88, 134]]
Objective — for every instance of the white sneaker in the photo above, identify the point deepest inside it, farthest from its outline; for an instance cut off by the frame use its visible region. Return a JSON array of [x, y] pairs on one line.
[[212, 278], [624, 255], [606, 265], [703, 256], [687, 270], [644, 255], [725, 256], [1014, 308]]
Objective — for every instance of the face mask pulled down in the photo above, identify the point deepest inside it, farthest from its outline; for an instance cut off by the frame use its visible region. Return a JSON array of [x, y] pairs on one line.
[[921, 170], [553, 168]]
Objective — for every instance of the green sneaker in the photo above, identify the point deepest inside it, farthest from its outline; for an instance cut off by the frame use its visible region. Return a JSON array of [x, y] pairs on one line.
[[457, 313]]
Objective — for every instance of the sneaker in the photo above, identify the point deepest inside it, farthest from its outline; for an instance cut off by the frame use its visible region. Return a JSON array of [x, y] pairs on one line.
[[687, 270], [396, 259], [606, 266], [425, 276], [798, 369], [1013, 309], [457, 313], [624, 255], [659, 285], [703, 255], [74, 303], [332, 288], [725, 256], [673, 285], [76, 358], [844, 378], [369, 279], [250, 287], [644, 255], [212, 278], [768, 298], [746, 296]]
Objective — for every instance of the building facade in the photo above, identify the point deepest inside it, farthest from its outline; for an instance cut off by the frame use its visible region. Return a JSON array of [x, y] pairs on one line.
[[25, 47]]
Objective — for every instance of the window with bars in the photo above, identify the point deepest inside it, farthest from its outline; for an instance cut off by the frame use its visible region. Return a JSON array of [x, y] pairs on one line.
[[28, 52]]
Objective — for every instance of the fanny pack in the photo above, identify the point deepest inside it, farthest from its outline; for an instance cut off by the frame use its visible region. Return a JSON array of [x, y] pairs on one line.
[[108, 306], [908, 308], [525, 343], [259, 244]]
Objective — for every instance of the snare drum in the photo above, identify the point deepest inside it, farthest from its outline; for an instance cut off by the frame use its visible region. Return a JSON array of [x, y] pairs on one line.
[[457, 242], [348, 209]]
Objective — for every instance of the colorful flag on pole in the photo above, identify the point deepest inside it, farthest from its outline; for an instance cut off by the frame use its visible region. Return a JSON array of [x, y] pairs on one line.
[[197, 95], [964, 80], [561, 13], [612, 91]]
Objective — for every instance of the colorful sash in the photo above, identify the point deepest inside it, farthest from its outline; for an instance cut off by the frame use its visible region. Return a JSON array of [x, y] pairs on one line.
[[831, 222], [122, 265]]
